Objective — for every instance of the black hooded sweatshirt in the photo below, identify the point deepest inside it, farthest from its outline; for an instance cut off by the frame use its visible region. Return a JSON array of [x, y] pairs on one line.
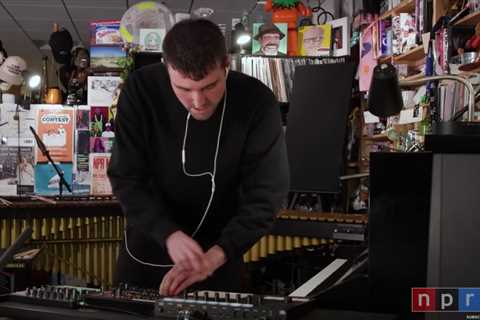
[[158, 198]]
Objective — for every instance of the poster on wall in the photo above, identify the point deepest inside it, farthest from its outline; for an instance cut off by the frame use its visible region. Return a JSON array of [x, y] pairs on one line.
[[102, 91], [81, 170], [16, 176], [15, 125], [55, 127], [100, 184], [47, 179]]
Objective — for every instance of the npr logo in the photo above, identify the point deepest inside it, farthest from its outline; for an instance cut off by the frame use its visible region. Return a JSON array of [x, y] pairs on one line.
[[445, 299]]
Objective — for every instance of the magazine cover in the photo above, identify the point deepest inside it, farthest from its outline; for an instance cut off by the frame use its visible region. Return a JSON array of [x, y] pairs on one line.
[[101, 144], [55, 128], [81, 173], [408, 33], [8, 167], [315, 40], [81, 169], [101, 122], [151, 40], [47, 179], [270, 39], [106, 58], [105, 32], [15, 124], [102, 91], [100, 184], [16, 177]]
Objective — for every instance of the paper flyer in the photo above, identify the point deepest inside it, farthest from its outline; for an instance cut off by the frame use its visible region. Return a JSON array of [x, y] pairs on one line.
[[100, 184], [55, 127]]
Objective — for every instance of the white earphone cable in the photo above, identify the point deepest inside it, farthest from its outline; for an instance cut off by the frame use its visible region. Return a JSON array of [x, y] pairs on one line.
[[208, 173]]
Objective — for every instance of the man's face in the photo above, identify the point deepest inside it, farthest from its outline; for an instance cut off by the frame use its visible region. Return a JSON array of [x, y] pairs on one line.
[[312, 41], [270, 43], [201, 97]]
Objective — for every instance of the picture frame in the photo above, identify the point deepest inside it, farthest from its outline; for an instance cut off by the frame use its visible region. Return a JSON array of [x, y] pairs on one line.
[[340, 37], [260, 41], [315, 40]]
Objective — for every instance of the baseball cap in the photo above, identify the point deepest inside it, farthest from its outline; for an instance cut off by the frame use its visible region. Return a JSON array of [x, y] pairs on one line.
[[11, 70]]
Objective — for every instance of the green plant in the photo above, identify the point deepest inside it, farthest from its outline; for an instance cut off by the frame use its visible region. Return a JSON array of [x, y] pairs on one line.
[[285, 4], [127, 63]]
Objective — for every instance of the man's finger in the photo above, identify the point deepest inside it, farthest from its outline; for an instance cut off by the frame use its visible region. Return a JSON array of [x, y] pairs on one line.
[[178, 279], [166, 281], [194, 278]]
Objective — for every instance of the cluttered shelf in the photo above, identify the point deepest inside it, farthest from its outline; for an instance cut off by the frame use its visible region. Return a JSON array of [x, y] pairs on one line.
[[376, 137], [411, 55], [471, 19], [405, 6]]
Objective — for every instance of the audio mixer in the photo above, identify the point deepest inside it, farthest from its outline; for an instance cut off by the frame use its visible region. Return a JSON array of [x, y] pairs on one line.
[[213, 305], [197, 305], [53, 296]]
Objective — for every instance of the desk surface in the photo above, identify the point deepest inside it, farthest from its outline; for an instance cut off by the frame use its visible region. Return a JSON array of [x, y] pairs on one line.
[[18, 311]]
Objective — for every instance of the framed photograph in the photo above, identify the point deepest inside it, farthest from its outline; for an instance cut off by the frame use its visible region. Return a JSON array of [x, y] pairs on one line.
[[151, 40], [106, 58], [315, 41], [340, 37], [270, 39]]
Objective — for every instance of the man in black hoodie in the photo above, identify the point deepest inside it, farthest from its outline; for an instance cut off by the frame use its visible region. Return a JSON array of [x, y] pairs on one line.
[[199, 165]]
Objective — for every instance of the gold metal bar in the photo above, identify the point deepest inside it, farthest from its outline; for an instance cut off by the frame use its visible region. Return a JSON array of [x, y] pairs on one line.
[[271, 244]]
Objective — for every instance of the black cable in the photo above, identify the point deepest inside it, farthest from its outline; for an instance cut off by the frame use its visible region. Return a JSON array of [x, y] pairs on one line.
[[73, 23], [20, 27], [127, 4], [191, 6], [324, 13]]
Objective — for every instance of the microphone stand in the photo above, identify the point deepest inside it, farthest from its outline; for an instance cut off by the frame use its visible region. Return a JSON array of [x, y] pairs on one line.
[[46, 153]]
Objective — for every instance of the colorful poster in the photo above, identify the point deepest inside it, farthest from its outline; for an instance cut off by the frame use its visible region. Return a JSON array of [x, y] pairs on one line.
[[101, 145], [105, 32], [55, 128], [81, 170], [100, 184], [47, 179], [270, 39]]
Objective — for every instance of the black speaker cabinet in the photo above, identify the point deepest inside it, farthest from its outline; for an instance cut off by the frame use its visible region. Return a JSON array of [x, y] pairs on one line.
[[316, 126], [399, 215]]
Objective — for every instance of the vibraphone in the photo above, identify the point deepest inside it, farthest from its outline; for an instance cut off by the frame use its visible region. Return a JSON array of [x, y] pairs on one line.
[[297, 229], [78, 236], [81, 236]]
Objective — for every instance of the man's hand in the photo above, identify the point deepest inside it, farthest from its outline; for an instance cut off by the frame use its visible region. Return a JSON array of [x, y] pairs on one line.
[[178, 278], [185, 252]]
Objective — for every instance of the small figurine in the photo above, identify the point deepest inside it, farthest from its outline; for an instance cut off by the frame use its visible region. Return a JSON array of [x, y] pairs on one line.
[[288, 11]]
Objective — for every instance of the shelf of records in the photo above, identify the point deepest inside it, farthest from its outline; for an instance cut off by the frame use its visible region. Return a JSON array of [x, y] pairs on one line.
[[278, 73], [79, 140]]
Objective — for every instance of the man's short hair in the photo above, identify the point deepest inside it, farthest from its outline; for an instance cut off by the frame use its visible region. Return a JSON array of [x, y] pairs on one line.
[[194, 47]]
